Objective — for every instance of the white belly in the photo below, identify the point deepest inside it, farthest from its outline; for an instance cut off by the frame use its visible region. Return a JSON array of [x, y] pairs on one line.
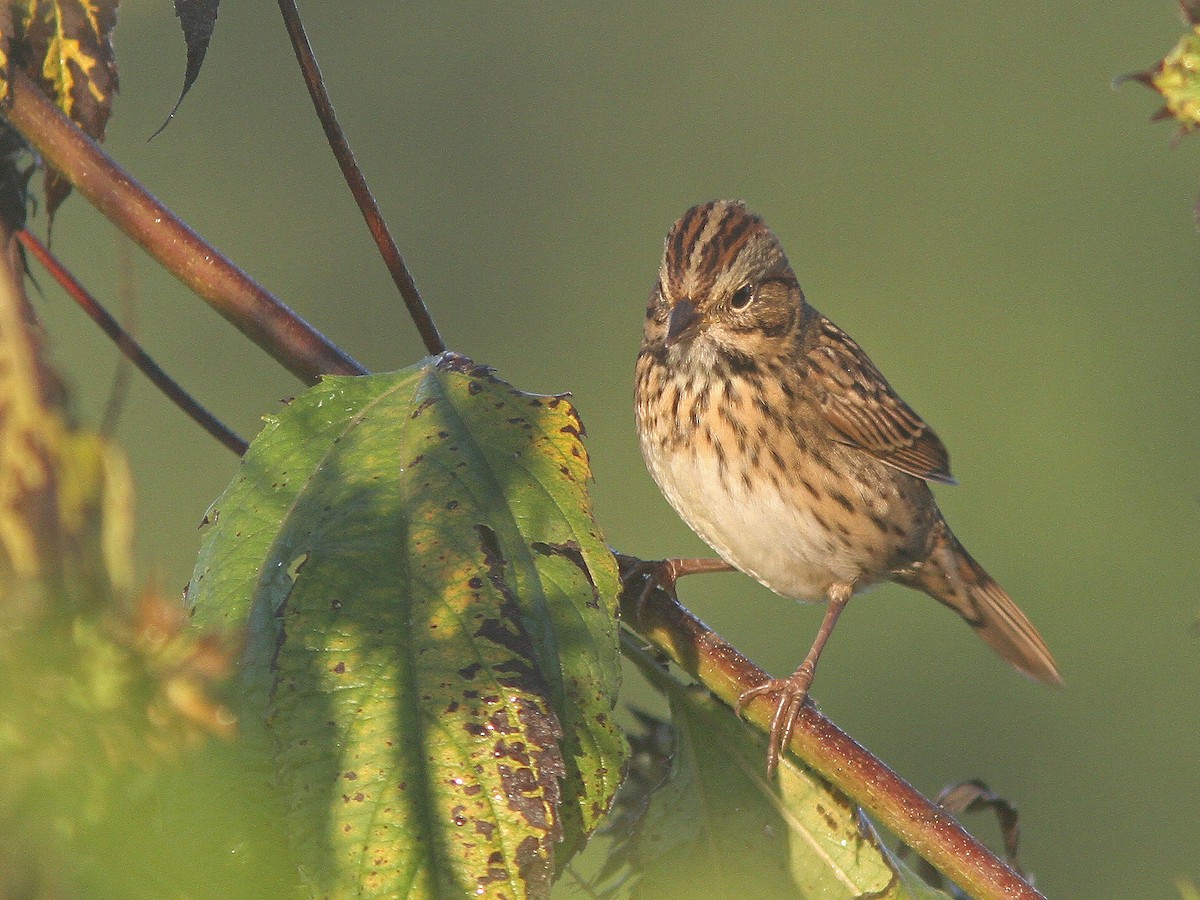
[[772, 538]]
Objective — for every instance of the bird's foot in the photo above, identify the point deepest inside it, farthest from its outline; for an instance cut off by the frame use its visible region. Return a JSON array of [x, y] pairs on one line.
[[661, 574], [792, 695]]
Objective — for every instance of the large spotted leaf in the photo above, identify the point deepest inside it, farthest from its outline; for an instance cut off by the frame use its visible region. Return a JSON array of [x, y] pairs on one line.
[[431, 630]]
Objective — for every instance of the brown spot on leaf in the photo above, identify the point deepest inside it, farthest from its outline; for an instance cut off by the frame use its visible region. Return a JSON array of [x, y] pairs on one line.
[[521, 790], [486, 829], [515, 751], [535, 867], [493, 874], [500, 724]]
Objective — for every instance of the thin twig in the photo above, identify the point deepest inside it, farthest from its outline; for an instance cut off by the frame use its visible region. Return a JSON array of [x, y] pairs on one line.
[[127, 297], [130, 347], [357, 182], [848, 766], [298, 346]]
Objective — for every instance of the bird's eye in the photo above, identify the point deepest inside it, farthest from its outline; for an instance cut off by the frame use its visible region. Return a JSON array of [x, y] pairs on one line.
[[742, 296]]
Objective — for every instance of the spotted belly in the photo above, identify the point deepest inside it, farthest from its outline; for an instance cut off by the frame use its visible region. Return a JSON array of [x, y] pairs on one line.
[[778, 533]]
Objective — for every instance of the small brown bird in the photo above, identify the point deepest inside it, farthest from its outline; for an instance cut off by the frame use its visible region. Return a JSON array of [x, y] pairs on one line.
[[778, 441]]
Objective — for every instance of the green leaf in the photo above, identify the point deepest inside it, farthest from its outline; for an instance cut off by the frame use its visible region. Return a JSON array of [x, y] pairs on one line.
[[431, 618], [719, 827]]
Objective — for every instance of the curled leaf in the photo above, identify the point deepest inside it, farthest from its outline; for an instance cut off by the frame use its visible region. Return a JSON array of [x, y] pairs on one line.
[[974, 795]]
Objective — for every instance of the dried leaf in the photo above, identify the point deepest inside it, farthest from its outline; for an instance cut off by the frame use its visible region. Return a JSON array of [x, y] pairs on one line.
[[974, 795], [197, 18], [67, 46]]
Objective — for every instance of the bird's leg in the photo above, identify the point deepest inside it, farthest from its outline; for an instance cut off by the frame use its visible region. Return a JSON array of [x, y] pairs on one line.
[[663, 573], [793, 690]]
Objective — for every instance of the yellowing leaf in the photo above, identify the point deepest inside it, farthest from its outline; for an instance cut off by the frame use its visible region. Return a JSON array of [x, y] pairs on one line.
[[69, 51], [432, 647], [1177, 76]]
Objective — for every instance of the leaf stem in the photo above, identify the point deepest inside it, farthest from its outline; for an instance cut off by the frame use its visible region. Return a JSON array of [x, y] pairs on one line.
[[357, 182], [816, 741], [128, 345], [294, 343]]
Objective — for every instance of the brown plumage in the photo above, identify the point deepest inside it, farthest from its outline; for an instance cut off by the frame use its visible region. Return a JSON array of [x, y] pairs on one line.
[[777, 440]]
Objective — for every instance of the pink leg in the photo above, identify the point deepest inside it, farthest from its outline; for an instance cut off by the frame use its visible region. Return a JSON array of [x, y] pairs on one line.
[[793, 690]]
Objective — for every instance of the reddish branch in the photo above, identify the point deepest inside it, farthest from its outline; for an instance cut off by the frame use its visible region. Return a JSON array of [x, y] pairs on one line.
[[357, 181], [816, 741], [235, 295], [130, 347]]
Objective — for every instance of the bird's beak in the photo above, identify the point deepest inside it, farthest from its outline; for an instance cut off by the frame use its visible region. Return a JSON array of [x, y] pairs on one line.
[[684, 318]]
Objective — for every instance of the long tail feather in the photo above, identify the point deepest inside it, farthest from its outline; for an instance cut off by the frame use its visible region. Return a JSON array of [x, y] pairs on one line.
[[952, 577]]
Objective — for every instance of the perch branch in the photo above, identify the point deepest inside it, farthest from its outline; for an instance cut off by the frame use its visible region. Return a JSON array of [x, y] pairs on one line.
[[123, 201], [129, 346], [357, 182], [817, 742]]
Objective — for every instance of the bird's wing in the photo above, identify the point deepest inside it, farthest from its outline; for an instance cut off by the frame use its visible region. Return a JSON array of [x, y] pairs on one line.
[[864, 410]]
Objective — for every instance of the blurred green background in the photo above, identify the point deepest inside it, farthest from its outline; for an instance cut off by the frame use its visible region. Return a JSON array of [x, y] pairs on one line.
[[959, 187]]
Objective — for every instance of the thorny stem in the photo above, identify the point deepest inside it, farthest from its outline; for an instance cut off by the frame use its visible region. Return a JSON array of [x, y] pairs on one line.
[[357, 182], [122, 200], [848, 766], [130, 347]]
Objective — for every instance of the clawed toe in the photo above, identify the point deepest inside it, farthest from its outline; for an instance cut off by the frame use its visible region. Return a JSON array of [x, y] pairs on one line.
[[662, 574], [655, 574], [793, 693], [770, 686]]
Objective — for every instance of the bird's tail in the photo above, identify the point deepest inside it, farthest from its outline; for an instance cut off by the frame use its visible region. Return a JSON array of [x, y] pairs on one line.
[[952, 577]]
